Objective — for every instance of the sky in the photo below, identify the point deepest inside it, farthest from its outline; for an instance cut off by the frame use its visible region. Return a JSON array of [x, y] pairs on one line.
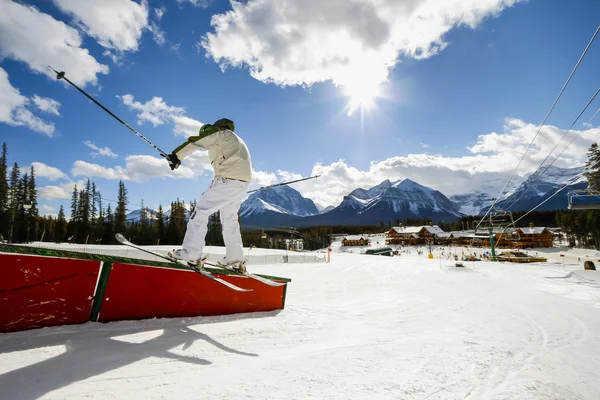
[[448, 93]]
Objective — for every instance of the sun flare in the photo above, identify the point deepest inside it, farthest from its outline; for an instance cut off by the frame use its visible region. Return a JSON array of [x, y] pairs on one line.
[[362, 96]]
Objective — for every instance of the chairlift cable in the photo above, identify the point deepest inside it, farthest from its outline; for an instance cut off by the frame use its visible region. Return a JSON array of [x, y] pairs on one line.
[[545, 119], [565, 183], [536, 178]]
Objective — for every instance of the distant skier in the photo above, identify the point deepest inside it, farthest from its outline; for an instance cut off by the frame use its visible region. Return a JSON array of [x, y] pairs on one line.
[[232, 164]]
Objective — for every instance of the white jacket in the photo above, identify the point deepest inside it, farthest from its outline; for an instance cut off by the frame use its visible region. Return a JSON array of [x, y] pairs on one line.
[[228, 153]]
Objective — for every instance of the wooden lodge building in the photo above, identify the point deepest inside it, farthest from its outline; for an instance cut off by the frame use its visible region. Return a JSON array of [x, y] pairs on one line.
[[534, 237], [414, 235], [355, 240], [420, 235]]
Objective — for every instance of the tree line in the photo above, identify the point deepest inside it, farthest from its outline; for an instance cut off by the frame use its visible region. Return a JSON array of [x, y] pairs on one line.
[[94, 220]]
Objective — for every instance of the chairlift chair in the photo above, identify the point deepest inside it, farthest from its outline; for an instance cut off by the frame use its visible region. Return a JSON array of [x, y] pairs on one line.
[[499, 222], [584, 199]]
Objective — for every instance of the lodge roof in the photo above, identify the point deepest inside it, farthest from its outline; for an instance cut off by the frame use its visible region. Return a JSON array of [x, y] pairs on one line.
[[354, 237], [434, 230]]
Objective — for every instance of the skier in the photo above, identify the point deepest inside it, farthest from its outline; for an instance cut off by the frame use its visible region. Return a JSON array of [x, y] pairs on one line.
[[232, 164]]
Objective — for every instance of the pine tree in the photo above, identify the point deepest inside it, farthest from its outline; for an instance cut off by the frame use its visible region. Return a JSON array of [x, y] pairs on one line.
[[15, 175], [22, 220], [159, 225], [593, 166], [83, 217], [4, 205], [73, 222], [74, 204], [32, 194], [176, 225], [109, 230], [33, 213], [60, 229], [143, 230], [100, 209], [93, 209], [121, 210]]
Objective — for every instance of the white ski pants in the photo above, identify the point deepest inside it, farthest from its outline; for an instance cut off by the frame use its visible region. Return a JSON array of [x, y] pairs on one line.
[[225, 196]]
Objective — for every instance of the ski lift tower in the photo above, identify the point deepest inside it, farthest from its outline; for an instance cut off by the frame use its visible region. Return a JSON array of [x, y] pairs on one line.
[[497, 222]]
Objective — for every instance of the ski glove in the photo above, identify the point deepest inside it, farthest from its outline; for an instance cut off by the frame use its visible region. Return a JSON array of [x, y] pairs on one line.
[[173, 161]]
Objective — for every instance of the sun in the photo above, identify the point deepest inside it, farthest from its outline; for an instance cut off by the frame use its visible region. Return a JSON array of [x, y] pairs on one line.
[[362, 95]]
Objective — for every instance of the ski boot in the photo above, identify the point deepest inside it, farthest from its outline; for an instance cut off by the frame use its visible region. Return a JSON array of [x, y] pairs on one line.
[[179, 256], [239, 267]]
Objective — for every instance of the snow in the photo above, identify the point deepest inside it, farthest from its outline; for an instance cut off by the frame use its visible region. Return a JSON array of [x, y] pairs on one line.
[[361, 201], [212, 253], [281, 199], [354, 237], [359, 327], [270, 207], [536, 230]]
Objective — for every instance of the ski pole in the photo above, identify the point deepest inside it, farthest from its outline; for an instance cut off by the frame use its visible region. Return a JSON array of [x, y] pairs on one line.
[[61, 75], [281, 184]]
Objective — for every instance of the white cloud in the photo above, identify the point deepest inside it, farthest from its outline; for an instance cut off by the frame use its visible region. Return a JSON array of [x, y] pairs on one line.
[[291, 42], [99, 151], [46, 104], [62, 191], [45, 209], [185, 126], [157, 112], [45, 171], [140, 168], [159, 12], [196, 3], [158, 35], [485, 167], [53, 192], [13, 109], [116, 24], [424, 145], [262, 178], [37, 39]]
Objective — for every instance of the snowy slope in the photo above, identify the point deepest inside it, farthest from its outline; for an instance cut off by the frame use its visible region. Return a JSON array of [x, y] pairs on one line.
[[360, 327]]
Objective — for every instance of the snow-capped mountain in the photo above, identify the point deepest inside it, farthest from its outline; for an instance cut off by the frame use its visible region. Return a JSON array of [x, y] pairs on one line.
[[277, 204], [323, 209], [524, 194], [473, 203], [326, 209], [385, 202], [136, 215], [539, 186]]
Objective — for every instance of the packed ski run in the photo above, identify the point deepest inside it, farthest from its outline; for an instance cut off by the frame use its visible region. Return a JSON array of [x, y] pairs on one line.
[[245, 286], [360, 326]]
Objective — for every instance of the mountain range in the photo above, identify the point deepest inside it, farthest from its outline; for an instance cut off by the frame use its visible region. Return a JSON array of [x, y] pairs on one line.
[[389, 201]]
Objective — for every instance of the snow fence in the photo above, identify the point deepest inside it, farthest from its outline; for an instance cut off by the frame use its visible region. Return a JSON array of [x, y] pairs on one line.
[[253, 256]]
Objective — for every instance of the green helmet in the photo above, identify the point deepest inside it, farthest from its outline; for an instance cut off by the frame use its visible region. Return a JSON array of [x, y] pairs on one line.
[[220, 125], [225, 123]]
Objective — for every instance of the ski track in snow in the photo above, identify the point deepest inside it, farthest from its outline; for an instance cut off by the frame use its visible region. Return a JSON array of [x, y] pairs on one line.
[[359, 327]]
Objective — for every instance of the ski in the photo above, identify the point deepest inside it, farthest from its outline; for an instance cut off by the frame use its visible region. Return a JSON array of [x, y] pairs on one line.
[[247, 274], [121, 239]]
